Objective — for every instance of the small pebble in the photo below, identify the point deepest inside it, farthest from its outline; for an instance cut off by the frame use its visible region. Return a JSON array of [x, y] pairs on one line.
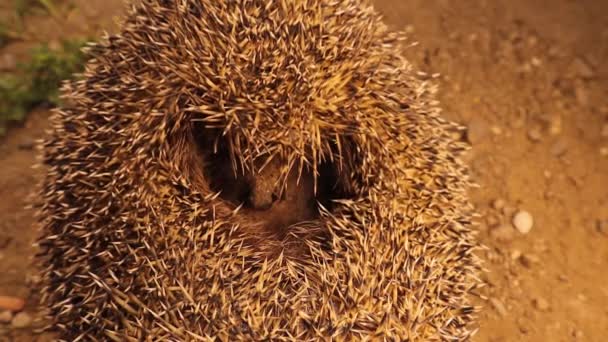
[[540, 246], [528, 260], [523, 222], [604, 151], [6, 316], [21, 320], [498, 306], [520, 119], [515, 283], [26, 145], [554, 51], [477, 130], [526, 68], [508, 211], [540, 304], [582, 68], [498, 204], [522, 328], [5, 240], [580, 92], [32, 279], [492, 220], [555, 125], [496, 130], [577, 334], [534, 135], [604, 131], [13, 304], [559, 148], [503, 233], [602, 227]]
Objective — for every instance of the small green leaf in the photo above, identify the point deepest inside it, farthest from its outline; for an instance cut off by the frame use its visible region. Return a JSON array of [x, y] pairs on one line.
[[38, 80]]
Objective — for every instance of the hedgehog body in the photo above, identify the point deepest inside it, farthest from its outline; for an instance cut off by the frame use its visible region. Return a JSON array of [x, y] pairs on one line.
[[152, 230]]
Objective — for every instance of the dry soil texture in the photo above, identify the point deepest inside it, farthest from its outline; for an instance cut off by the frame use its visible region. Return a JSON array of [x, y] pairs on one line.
[[529, 79]]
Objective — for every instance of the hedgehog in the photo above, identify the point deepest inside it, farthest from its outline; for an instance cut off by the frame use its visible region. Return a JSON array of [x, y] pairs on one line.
[[248, 170]]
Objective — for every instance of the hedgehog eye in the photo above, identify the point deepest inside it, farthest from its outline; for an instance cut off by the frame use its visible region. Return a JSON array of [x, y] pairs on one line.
[[245, 192]]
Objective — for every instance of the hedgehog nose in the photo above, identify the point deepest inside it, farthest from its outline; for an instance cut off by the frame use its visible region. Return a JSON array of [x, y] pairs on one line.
[[261, 200]]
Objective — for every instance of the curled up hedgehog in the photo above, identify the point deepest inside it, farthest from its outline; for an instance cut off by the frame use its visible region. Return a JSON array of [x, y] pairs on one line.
[[255, 170]]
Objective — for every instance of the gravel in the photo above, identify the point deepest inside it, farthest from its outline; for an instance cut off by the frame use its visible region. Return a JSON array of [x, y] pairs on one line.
[[582, 69], [540, 304], [477, 131], [6, 316], [498, 306], [535, 135], [528, 260], [13, 304], [498, 204], [602, 227], [523, 222], [21, 320], [555, 125], [503, 233], [559, 148]]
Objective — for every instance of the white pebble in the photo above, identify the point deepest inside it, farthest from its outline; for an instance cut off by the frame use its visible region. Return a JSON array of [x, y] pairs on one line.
[[523, 222]]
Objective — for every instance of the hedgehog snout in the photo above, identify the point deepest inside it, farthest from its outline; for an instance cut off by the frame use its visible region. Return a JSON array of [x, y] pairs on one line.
[[261, 198], [264, 185]]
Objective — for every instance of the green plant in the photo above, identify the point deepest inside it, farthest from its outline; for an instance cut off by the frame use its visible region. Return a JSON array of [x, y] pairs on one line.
[[38, 80], [6, 35], [23, 7]]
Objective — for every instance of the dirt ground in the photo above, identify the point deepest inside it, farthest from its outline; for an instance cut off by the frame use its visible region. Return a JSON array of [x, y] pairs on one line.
[[529, 80]]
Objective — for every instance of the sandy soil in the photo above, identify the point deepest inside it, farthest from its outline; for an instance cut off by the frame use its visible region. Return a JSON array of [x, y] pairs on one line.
[[528, 79]]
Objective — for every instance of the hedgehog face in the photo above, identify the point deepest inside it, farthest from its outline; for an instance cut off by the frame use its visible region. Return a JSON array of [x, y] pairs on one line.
[[158, 216], [271, 195], [266, 197]]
